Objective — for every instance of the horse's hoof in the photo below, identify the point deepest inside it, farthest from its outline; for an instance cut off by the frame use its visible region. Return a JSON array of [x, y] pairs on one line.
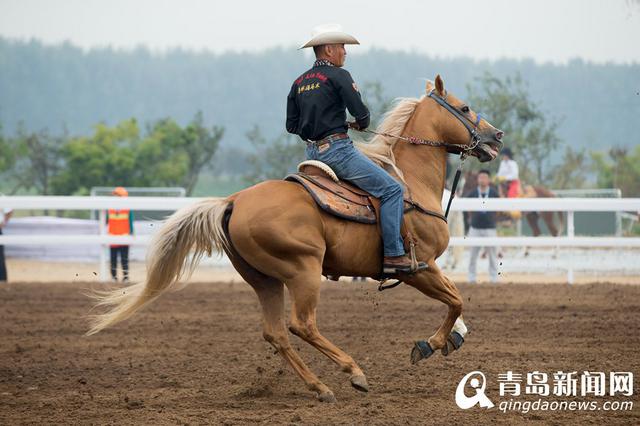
[[327, 397], [420, 351], [360, 383], [454, 342]]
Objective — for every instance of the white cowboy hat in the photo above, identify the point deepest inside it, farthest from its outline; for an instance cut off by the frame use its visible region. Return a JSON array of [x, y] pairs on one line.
[[329, 34]]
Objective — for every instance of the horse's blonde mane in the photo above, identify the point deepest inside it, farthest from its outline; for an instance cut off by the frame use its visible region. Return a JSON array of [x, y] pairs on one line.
[[380, 148]]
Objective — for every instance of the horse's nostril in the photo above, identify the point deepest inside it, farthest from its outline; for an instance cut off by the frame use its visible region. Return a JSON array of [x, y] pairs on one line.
[[499, 135]]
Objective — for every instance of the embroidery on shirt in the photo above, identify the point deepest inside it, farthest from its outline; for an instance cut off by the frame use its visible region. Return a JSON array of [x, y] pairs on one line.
[[308, 87], [311, 76]]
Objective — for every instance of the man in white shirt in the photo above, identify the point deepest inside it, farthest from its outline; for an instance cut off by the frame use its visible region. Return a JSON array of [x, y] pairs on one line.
[[509, 172]]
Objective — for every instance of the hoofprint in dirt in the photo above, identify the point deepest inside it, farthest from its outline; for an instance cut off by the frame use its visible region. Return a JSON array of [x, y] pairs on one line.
[[192, 358]]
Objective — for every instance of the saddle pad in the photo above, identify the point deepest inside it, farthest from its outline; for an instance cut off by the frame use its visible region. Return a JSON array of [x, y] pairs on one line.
[[339, 199]]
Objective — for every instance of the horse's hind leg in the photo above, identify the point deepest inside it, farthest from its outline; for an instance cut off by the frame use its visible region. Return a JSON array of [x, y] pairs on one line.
[[305, 293], [275, 332], [271, 295]]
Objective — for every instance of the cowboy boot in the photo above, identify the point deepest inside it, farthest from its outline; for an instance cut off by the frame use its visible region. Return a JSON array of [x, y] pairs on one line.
[[394, 265]]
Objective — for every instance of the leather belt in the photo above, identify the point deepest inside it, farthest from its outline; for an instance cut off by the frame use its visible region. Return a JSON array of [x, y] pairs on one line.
[[329, 139]]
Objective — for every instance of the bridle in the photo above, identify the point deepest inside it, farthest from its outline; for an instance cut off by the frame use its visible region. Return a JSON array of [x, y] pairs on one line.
[[454, 148], [471, 126]]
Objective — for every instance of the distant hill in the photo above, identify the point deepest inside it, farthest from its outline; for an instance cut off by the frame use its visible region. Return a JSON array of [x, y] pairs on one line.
[[56, 86]]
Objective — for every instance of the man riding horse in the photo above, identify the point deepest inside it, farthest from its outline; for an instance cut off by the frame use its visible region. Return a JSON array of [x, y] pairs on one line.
[[277, 235], [316, 112]]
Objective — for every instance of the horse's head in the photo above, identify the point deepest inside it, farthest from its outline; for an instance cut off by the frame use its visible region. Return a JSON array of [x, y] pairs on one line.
[[461, 126]]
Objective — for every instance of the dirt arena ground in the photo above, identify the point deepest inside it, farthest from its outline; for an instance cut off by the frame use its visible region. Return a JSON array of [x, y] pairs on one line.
[[23, 270], [197, 356]]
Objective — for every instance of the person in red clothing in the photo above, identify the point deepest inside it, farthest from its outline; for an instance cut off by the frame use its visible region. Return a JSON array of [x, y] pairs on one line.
[[509, 174], [120, 222]]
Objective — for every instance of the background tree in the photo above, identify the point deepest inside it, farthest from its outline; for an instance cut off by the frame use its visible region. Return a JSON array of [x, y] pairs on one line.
[[46, 85], [618, 168], [573, 171], [35, 159], [7, 159], [159, 158], [106, 158], [378, 102], [200, 144], [167, 155], [529, 133], [272, 159]]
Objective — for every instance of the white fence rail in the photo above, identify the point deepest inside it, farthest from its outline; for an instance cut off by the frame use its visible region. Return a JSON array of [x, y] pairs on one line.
[[568, 205]]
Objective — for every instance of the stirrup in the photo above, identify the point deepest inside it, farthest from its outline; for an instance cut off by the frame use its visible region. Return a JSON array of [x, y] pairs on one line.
[[382, 284], [382, 281]]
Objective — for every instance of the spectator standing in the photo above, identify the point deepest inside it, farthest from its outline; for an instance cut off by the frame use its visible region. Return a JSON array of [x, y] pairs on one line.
[[483, 224], [120, 222]]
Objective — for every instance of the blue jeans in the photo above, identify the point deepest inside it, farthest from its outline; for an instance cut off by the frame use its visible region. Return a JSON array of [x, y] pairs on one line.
[[353, 166]]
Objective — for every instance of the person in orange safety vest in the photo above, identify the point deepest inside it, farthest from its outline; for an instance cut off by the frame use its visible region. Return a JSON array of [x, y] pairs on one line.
[[120, 222]]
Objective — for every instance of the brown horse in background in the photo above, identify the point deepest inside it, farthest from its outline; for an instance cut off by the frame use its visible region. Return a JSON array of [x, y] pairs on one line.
[[275, 236], [528, 191]]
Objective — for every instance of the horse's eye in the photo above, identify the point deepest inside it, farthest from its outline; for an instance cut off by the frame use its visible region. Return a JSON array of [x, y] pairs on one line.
[[465, 109]]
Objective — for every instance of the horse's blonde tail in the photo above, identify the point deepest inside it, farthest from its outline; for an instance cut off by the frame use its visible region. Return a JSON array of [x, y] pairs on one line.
[[197, 227]]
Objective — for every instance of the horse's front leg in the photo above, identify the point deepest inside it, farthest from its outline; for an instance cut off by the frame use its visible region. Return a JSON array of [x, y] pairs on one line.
[[450, 335]]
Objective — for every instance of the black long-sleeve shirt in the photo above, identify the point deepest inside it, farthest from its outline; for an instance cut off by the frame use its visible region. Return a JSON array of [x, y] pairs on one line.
[[317, 101], [482, 219]]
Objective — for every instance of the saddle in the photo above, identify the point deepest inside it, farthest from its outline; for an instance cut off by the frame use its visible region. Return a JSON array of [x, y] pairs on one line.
[[345, 200], [349, 202], [334, 196]]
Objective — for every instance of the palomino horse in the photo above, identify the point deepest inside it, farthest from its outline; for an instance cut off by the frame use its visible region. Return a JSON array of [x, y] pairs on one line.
[[276, 236]]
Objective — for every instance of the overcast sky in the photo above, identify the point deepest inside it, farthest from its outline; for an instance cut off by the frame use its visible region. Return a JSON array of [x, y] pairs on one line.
[[545, 30]]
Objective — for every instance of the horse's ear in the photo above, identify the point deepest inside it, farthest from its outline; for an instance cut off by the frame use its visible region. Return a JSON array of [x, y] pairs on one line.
[[439, 85]]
